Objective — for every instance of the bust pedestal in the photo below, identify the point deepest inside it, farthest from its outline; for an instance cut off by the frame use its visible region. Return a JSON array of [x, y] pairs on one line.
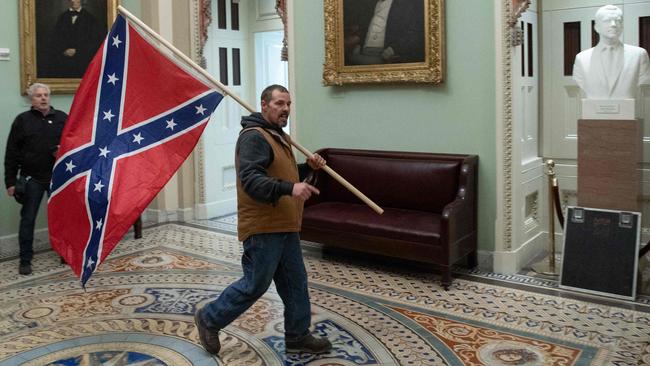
[[609, 152]]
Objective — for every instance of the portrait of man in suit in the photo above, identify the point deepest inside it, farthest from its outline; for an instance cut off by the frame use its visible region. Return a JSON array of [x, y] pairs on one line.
[[68, 34], [383, 31], [611, 69]]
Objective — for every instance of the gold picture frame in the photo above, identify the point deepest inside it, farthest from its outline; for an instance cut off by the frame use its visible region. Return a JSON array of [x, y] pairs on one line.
[[40, 24], [346, 23]]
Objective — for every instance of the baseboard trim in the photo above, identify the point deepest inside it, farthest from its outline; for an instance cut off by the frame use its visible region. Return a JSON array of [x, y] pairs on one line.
[[485, 260], [185, 214], [9, 247], [511, 262], [160, 216], [210, 210]]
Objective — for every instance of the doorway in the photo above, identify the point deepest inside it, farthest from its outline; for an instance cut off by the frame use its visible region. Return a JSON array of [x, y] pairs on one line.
[[243, 52]]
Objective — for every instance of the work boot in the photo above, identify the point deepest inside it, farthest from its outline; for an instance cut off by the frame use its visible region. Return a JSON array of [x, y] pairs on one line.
[[209, 338], [309, 344], [25, 268]]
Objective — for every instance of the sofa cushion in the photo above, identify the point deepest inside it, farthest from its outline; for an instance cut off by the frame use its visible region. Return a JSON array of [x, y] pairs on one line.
[[409, 225], [393, 181]]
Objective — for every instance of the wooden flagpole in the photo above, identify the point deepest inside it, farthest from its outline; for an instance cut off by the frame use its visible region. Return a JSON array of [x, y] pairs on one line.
[[227, 92]]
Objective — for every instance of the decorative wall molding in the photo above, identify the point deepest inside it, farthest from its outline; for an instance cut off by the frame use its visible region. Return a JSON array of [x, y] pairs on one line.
[[506, 138], [281, 9], [531, 220], [201, 15], [518, 7], [9, 247]]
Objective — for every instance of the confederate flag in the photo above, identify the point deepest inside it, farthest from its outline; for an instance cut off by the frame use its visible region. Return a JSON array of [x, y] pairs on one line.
[[136, 117]]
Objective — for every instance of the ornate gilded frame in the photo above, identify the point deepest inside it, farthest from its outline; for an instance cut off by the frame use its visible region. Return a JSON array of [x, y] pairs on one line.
[[28, 67], [429, 71]]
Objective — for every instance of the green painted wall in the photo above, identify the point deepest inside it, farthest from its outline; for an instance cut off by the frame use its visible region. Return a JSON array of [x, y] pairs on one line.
[[457, 117], [13, 103]]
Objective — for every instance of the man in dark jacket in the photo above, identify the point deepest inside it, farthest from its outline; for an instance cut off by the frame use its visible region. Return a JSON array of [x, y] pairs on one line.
[[31, 149], [270, 197]]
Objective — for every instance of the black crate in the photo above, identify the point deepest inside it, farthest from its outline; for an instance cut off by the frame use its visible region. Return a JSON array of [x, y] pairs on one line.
[[601, 252]]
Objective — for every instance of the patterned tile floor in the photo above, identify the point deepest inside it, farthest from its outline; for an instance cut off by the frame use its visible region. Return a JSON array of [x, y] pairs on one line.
[[527, 278], [138, 311]]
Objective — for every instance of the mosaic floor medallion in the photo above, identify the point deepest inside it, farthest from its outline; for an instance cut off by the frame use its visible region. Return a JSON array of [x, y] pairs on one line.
[[511, 353], [114, 354], [138, 310]]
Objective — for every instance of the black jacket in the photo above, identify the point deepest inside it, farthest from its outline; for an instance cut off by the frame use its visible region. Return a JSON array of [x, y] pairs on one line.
[[32, 140], [255, 156]]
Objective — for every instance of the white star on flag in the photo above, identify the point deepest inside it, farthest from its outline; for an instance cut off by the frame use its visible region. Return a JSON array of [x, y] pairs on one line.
[[137, 138], [90, 263], [103, 151], [171, 124], [69, 166], [116, 41], [200, 110], [99, 224], [108, 115], [112, 79], [98, 186]]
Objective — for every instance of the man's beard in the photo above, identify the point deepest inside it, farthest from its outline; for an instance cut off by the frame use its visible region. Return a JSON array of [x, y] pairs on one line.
[[281, 122]]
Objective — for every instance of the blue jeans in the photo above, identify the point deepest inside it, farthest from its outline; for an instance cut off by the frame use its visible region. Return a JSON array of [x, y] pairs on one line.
[[31, 202], [277, 257]]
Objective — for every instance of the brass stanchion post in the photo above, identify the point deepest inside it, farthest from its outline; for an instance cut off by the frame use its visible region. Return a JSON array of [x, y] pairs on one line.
[[549, 268]]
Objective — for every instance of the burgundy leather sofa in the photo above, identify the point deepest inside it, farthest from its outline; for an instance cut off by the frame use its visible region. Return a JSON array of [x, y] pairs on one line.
[[429, 203]]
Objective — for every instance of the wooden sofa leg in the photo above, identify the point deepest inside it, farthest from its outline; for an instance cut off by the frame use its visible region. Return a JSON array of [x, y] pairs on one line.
[[472, 259], [137, 228], [446, 277]]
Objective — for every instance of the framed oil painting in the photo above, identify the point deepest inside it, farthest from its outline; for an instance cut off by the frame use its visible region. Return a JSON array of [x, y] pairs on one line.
[[384, 41], [58, 38]]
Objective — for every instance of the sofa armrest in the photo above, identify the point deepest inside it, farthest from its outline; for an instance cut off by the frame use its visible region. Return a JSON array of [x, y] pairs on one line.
[[458, 219]]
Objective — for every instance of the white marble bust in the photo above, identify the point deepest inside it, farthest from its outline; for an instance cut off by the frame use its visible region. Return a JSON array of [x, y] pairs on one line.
[[611, 70]]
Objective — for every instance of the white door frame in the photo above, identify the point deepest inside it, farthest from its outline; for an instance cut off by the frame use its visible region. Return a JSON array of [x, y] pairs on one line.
[[197, 12]]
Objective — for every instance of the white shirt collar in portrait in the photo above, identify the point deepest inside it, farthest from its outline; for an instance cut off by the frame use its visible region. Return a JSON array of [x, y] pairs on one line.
[[74, 17], [377, 28]]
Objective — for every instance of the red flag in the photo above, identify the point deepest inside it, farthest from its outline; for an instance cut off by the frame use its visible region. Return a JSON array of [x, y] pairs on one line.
[[135, 118]]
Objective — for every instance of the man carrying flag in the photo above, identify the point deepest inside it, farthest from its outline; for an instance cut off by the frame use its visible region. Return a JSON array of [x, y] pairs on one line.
[[122, 143], [119, 149], [270, 197]]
